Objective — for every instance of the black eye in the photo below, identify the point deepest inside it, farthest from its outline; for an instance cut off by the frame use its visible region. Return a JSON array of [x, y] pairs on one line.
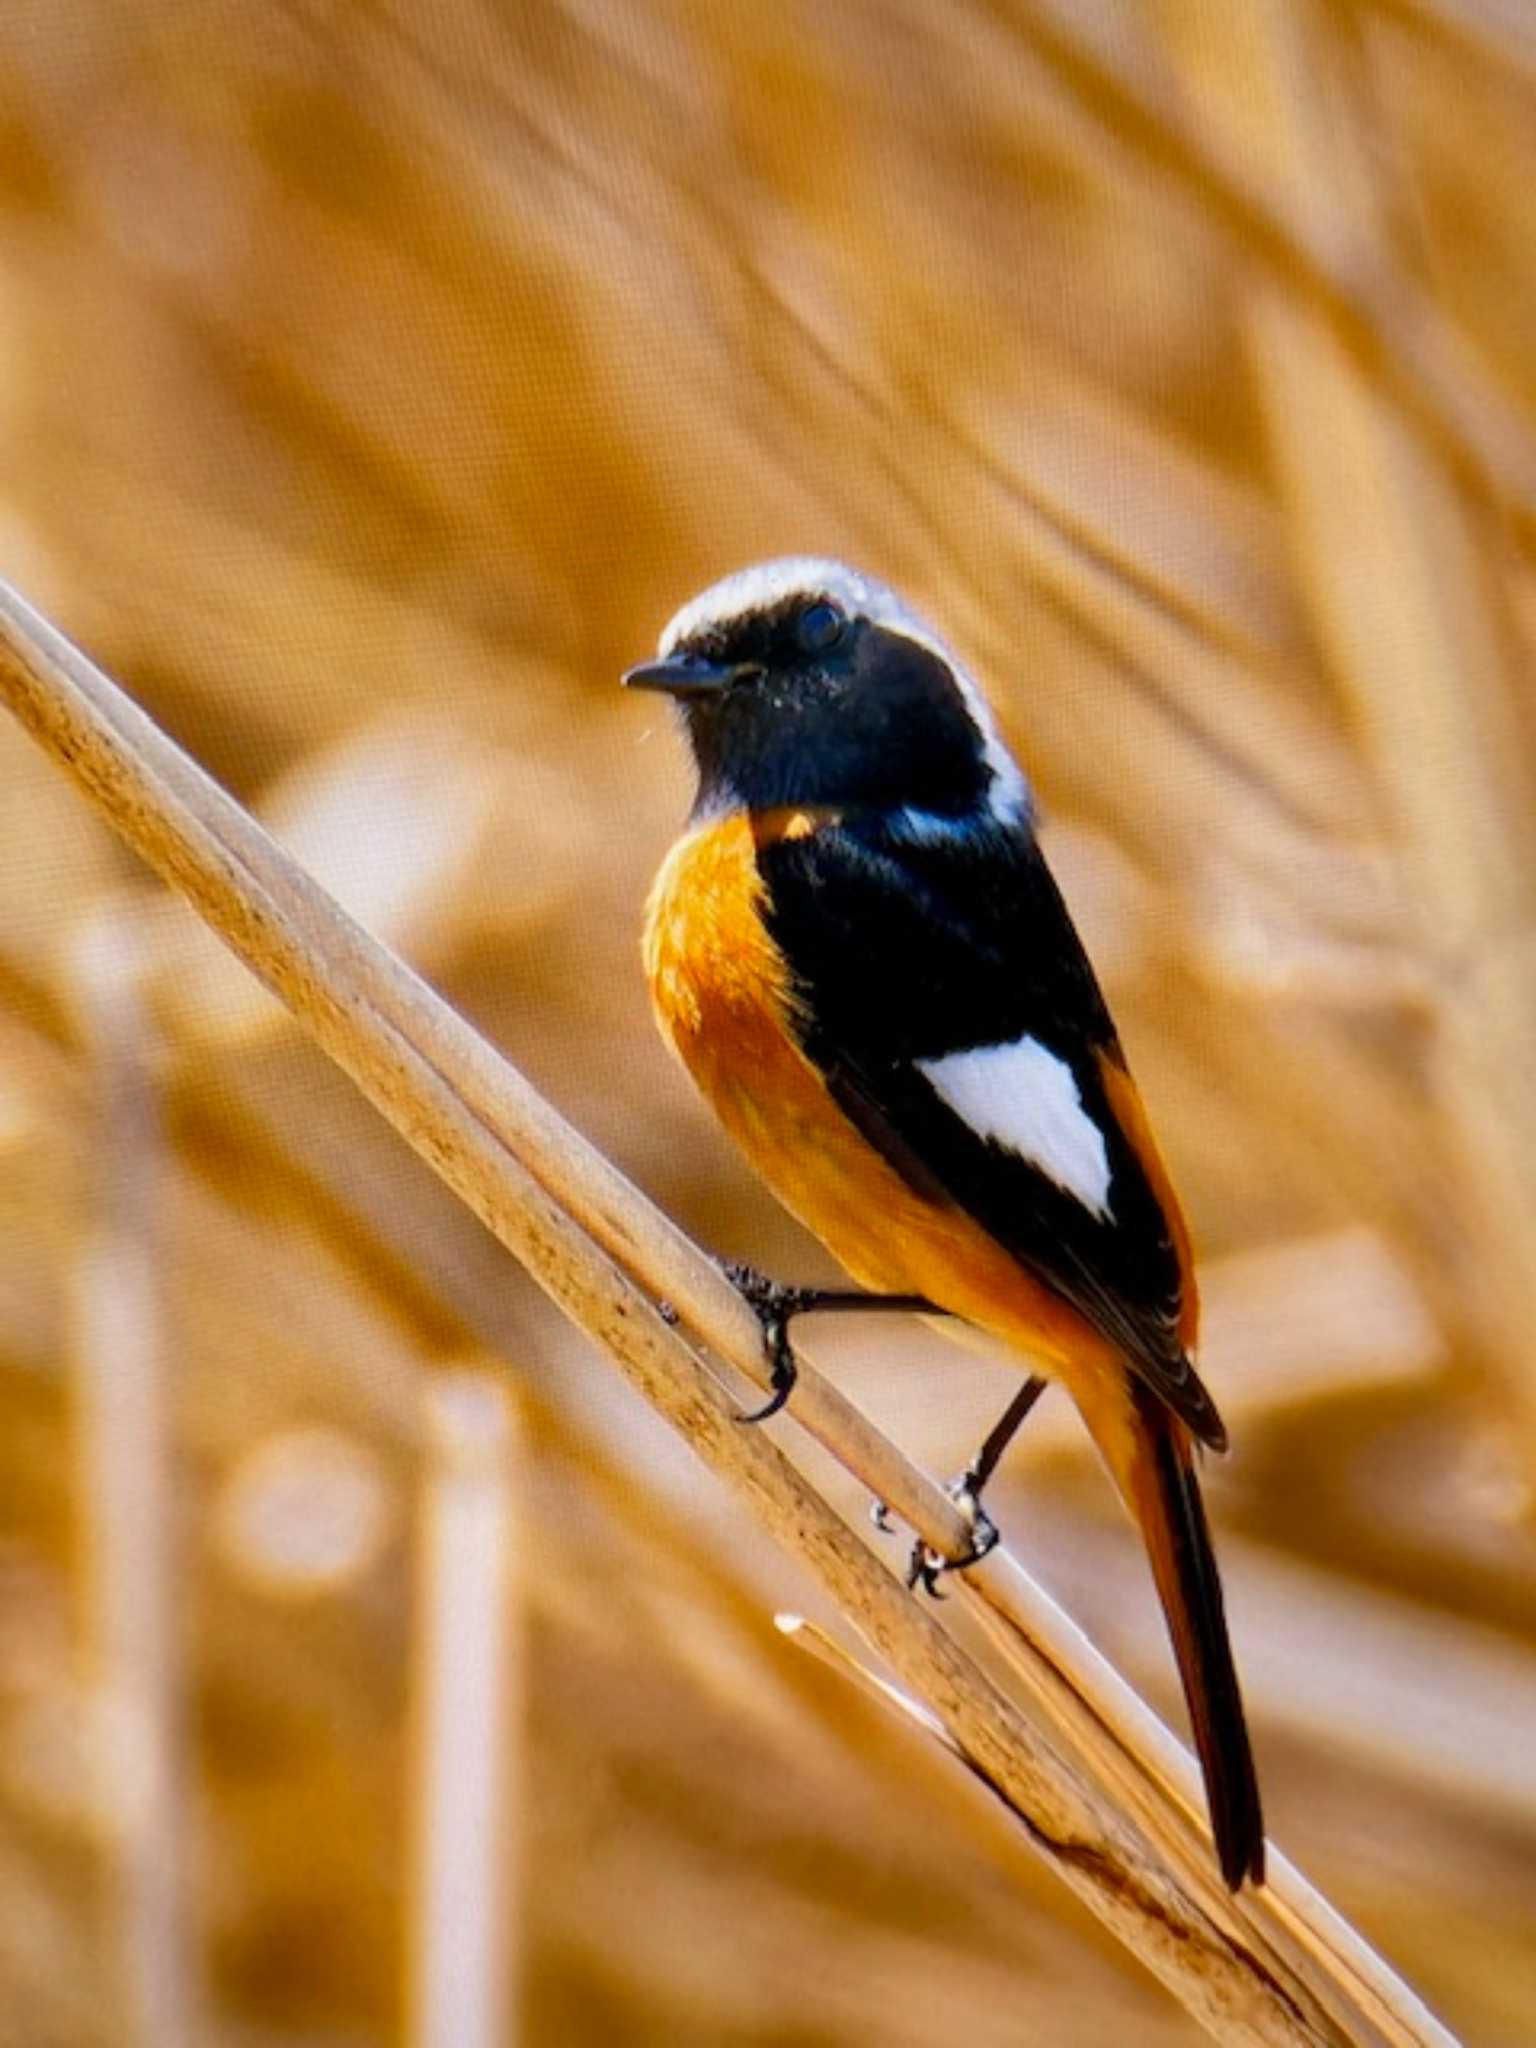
[[819, 628]]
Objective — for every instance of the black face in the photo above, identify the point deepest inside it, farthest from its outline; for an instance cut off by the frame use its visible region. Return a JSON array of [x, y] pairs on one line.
[[803, 704]]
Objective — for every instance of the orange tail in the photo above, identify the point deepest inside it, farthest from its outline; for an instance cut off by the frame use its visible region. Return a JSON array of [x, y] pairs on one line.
[[1158, 1480]]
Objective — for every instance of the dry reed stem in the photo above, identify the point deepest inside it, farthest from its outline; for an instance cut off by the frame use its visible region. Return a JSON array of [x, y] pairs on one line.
[[836, 1656], [466, 1659], [1106, 1795], [127, 1503]]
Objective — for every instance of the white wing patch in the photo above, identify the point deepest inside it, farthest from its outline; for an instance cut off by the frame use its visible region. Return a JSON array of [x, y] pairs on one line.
[[1022, 1096]]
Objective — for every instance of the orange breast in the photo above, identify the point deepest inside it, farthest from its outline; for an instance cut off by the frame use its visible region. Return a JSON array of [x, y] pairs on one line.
[[724, 999]]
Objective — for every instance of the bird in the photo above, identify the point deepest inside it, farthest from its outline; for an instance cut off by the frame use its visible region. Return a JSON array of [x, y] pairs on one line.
[[859, 954]]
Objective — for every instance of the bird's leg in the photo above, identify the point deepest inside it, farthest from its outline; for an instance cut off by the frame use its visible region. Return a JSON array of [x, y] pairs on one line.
[[776, 1307], [925, 1567]]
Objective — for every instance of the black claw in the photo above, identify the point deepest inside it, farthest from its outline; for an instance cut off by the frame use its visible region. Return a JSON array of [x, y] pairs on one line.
[[785, 1373], [984, 1539], [926, 1567], [782, 1369]]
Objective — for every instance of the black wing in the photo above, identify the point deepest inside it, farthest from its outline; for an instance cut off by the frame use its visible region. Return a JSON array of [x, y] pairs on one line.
[[909, 946]]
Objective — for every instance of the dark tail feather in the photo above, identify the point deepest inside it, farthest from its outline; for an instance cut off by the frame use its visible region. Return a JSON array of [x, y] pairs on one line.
[[1166, 1500]]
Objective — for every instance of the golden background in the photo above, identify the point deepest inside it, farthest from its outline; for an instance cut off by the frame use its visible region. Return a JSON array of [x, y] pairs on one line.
[[374, 381]]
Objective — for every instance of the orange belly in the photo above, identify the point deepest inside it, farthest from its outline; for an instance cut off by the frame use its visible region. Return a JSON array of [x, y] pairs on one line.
[[723, 996]]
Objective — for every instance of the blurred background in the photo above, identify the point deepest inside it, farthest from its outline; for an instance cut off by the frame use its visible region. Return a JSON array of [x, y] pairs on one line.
[[375, 379]]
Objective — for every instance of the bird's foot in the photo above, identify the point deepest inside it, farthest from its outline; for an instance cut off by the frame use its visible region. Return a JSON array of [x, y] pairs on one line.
[[775, 1307], [926, 1567]]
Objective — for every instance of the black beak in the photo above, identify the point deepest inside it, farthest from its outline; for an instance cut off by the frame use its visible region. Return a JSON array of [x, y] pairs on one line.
[[687, 675]]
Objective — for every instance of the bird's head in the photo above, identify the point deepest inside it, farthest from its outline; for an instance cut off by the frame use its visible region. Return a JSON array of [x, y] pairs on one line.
[[803, 683]]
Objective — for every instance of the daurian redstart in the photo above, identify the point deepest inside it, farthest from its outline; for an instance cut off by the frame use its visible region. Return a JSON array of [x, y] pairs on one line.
[[860, 955]]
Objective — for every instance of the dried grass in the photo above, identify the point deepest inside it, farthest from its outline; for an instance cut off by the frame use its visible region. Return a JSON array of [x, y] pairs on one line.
[[369, 392]]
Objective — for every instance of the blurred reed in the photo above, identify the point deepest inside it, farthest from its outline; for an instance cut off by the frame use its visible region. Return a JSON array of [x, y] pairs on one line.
[[371, 385], [468, 1766], [136, 1698]]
